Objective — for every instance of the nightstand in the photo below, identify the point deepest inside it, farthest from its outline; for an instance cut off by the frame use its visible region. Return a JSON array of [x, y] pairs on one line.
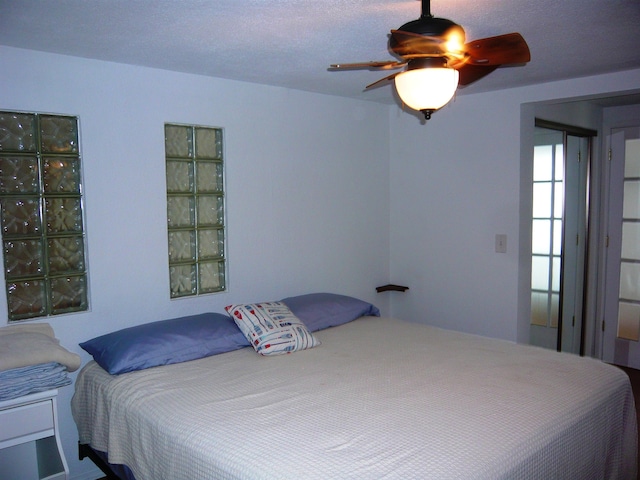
[[29, 438]]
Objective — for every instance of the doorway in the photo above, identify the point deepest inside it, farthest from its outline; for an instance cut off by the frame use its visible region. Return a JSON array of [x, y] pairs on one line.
[[621, 323], [559, 235]]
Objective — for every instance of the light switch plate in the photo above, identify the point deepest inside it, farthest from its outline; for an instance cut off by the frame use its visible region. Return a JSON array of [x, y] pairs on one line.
[[501, 243]]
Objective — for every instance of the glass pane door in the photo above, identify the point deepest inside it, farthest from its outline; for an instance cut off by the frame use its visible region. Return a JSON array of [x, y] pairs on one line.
[[621, 325], [546, 236], [558, 238], [629, 291]]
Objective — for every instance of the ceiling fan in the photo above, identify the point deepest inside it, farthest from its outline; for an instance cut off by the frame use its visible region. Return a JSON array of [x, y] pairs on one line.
[[438, 60]]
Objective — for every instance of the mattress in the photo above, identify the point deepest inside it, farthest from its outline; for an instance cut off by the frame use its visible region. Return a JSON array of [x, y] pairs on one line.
[[379, 399]]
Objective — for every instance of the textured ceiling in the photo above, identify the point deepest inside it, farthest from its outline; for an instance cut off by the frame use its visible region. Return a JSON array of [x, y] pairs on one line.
[[291, 43]]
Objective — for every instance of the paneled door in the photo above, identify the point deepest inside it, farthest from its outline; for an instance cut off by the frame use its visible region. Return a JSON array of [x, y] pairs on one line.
[[621, 323], [559, 236]]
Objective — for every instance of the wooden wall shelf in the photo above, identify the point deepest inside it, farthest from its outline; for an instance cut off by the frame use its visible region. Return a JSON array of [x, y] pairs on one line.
[[391, 288]]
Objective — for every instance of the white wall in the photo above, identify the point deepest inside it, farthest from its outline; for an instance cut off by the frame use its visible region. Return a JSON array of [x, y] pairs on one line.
[[306, 178], [455, 184]]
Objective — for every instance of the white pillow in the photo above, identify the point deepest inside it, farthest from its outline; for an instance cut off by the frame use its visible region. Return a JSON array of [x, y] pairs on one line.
[[271, 328]]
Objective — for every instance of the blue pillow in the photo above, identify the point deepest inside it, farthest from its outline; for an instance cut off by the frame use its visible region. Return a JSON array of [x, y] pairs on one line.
[[165, 342], [323, 310]]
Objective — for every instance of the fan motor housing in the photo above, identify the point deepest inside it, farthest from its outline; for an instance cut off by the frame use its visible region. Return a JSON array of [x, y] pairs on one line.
[[428, 36], [427, 62], [431, 26]]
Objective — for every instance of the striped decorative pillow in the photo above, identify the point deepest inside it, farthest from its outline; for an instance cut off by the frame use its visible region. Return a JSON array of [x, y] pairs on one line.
[[271, 328]]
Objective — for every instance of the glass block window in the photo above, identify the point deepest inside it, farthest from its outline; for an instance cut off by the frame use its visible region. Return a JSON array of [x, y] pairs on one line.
[[195, 209], [43, 237]]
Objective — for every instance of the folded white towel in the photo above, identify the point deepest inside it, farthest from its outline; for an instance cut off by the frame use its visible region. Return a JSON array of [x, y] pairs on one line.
[[43, 328], [23, 348]]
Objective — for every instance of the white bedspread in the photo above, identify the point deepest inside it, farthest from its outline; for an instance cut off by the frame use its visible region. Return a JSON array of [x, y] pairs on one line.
[[379, 399]]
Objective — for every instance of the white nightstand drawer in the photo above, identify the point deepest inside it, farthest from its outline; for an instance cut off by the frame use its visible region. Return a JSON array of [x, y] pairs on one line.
[[34, 420]]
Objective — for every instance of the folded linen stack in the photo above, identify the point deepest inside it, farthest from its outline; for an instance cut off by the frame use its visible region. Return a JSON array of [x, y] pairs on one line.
[[32, 360]]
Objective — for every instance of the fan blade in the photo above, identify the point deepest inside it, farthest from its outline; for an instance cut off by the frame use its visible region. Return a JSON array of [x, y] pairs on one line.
[[382, 65], [404, 36], [500, 50], [382, 81], [469, 73], [407, 44]]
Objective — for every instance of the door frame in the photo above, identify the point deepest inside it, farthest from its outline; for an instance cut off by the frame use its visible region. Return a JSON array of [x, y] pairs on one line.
[[582, 260], [599, 112], [613, 349], [613, 118]]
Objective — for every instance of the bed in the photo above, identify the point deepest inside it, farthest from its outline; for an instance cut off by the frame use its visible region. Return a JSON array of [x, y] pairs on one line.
[[375, 398]]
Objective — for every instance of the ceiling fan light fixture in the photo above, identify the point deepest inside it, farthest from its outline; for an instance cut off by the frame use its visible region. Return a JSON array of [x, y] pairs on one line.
[[427, 89], [438, 59]]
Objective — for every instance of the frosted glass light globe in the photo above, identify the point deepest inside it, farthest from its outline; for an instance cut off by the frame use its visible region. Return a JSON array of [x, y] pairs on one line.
[[427, 88]]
